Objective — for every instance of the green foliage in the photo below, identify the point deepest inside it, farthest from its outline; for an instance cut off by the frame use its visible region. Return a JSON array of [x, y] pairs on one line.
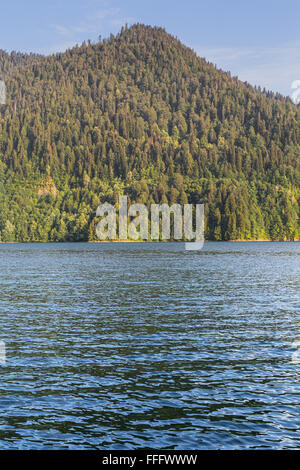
[[140, 114]]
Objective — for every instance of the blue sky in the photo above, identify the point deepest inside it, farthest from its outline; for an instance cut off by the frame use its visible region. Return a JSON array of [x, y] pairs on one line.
[[258, 40]]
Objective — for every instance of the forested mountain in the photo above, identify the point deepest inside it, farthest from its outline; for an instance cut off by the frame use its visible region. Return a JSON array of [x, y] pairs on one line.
[[141, 114]]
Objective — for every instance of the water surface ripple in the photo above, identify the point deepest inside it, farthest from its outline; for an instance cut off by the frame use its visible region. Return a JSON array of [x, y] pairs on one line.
[[127, 346]]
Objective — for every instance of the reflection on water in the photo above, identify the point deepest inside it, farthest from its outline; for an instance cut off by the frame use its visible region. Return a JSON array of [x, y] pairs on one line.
[[117, 346]]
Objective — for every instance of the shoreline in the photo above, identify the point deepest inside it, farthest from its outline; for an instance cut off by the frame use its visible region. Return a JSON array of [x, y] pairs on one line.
[[181, 241], [152, 241]]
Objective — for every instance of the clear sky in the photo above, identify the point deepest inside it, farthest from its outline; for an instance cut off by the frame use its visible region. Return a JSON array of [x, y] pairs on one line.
[[258, 40]]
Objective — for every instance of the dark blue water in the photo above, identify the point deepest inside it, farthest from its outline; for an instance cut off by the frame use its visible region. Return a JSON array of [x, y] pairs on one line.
[[127, 346]]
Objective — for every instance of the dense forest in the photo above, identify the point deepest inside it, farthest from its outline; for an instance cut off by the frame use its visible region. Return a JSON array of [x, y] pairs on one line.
[[141, 114]]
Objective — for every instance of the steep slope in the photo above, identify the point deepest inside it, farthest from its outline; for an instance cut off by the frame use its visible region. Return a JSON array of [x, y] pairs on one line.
[[141, 114]]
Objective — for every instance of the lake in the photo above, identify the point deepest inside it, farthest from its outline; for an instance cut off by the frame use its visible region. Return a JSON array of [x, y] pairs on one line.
[[135, 346]]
